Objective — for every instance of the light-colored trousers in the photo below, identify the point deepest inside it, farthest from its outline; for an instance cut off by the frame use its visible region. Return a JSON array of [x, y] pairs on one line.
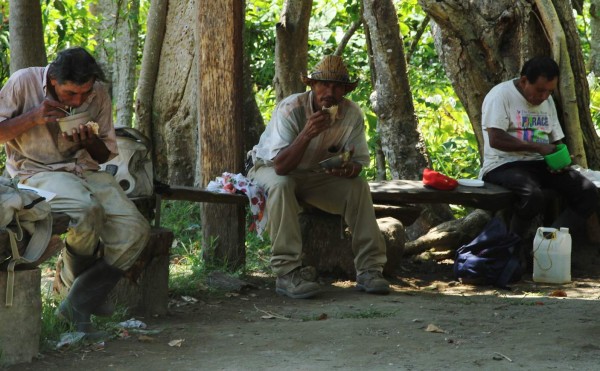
[[350, 198], [99, 211]]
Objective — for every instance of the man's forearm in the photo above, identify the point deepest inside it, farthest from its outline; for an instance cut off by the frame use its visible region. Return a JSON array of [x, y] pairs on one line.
[[290, 157], [12, 128], [501, 140], [97, 149]]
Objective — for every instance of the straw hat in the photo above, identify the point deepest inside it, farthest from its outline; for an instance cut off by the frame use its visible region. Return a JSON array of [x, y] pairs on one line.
[[331, 68]]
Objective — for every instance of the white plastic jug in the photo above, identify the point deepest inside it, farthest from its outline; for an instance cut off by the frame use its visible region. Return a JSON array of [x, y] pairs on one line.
[[552, 255]]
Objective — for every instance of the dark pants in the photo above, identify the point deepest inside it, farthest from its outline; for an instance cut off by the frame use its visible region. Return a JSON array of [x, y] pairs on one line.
[[527, 178]]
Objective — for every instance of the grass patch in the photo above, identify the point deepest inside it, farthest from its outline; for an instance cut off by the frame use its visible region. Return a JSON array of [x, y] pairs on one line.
[[368, 313], [360, 314], [188, 269]]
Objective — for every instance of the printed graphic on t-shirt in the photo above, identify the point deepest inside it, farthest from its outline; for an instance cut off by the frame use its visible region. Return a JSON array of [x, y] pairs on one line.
[[532, 127]]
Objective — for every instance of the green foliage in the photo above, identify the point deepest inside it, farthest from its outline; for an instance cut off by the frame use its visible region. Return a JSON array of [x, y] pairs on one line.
[[67, 23], [52, 326], [258, 252], [187, 265], [188, 270], [4, 44]]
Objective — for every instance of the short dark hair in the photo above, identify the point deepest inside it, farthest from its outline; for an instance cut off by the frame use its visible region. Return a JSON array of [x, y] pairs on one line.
[[540, 66], [75, 65]]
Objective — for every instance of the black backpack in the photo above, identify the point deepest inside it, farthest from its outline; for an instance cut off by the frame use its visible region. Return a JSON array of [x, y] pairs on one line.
[[492, 258]]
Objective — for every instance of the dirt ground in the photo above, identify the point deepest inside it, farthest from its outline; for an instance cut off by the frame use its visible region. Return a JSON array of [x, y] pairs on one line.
[[428, 322]]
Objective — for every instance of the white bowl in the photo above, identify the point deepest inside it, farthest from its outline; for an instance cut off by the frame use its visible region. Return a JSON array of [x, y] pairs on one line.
[[471, 182], [68, 123]]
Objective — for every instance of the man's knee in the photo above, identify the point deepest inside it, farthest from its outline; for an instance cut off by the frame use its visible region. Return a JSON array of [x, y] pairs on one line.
[[90, 213], [531, 203]]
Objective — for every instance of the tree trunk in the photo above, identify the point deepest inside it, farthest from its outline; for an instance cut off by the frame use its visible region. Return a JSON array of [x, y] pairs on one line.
[[125, 59], [174, 105], [105, 10], [482, 43], [254, 123], [27, 47], [155, 31], [580, 91], [220, 108], [392, 102], [594, 62], [291, 48], [117, 52], [397, 123]]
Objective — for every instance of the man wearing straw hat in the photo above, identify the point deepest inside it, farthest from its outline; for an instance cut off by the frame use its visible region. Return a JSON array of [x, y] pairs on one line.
[[304, 130]]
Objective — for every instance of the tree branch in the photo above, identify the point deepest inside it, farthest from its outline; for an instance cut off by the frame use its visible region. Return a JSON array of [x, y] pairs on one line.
[[417, 38], [340, 48]]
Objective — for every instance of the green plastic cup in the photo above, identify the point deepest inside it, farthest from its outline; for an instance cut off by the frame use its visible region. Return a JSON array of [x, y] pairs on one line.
[[558, 159]]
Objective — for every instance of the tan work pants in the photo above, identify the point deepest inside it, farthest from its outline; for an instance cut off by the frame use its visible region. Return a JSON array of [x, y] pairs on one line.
[[99, 211], [350, 198]]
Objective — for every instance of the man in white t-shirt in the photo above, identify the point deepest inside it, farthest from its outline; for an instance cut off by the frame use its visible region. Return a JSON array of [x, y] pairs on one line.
[[305, 129], [521, 126]]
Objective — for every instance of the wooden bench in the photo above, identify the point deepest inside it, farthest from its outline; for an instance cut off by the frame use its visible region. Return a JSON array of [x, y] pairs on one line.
[[395, 198], [385, 194]]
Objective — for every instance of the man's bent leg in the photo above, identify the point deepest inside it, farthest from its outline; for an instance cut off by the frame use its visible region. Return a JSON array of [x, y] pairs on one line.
[[351, 198], [125, 231], [74, 198], [284, 230]]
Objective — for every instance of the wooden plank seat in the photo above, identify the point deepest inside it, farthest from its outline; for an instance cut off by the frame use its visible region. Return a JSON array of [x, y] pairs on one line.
[[388, 192], [398, 192], [394, 198]]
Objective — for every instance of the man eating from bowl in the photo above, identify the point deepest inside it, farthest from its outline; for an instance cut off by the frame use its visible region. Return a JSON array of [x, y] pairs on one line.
[[106, 232], [302, 132]]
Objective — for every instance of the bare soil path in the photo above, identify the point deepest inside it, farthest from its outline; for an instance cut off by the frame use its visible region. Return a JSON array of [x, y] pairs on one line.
[[428, 322]]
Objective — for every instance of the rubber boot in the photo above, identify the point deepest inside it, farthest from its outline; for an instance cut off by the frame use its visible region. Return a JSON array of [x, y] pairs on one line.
[[73, 266], [89, 291]]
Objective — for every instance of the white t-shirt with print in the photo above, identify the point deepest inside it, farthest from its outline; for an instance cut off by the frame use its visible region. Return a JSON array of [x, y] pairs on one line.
[[504, 107]]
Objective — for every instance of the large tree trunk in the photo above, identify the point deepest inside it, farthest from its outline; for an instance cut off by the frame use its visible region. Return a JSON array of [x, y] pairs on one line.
[[175, 100], [291, 48], [482, 43], [392, 100], [220, 50], [584, 126], [27, 47]]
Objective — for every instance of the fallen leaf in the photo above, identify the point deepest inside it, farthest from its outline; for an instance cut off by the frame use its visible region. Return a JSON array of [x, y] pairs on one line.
[[433, 328], [176, 343], [559, 293], [322, 316], [146, 339]]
